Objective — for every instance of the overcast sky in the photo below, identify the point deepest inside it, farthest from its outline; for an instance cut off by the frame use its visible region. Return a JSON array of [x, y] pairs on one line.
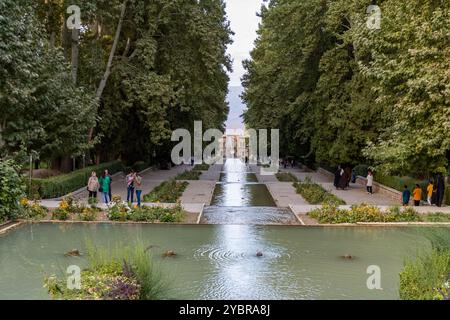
[[244, 23]]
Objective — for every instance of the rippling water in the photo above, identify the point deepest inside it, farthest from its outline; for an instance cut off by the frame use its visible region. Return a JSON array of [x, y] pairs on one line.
[[220, 262], [248, 215]]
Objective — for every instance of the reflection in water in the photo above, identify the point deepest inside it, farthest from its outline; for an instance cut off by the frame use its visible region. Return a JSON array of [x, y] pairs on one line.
[[242, 195], [239, 188], [238, 177]]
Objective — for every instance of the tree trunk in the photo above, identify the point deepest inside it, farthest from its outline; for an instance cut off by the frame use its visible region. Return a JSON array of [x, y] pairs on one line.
[[2, 127], [75, 54], [105, 77]]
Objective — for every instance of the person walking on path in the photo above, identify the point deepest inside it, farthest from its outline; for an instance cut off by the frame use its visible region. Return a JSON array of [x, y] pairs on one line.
[[337, 177], [138, 186], [343, 180], [406, 195], [110, 182], [417, 195], [430, 189], [93, 185], [440, 190], [369, 183], [105, 183], [129, 179]]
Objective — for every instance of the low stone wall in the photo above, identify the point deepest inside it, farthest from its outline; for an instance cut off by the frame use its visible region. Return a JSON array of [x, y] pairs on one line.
[[325, 173], [384, 190]]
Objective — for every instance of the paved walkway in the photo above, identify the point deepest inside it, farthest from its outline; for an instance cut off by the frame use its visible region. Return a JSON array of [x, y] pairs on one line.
[[213, 173], [285, 194], [199, 191], [355, 194]]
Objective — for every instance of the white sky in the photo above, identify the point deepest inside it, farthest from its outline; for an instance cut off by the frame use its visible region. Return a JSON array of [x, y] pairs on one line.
[[244, 23]]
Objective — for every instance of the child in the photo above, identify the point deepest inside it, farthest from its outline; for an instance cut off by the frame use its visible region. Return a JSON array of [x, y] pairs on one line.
[[430, 192], [406, 194], [417, 195]]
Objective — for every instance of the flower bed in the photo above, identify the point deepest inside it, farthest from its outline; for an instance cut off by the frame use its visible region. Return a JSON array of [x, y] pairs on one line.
[[366, 213], [427, 277], [121, 211], [201, 167], [127, 274], [167, 192], [286, 177], [189, 175], [315, 193]]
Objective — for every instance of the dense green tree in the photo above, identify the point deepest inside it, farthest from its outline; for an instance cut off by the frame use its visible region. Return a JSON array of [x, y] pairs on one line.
[[342, 92], [142, 68], [41, 111]]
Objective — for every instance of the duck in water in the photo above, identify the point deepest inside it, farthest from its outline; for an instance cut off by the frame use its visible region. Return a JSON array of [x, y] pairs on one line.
[[73, 253], [169, 253]]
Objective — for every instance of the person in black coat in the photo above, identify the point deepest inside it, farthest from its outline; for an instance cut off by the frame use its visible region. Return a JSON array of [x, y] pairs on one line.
[[440, 190], [337, 177]]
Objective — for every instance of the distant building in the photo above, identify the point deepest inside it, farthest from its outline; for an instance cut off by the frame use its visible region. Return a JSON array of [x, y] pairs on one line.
[[234, 144]]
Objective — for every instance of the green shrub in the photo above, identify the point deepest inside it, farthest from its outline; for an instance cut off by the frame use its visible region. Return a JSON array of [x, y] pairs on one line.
[[167, 192], [362, 213], [157, 214], [140, 166], [61, 185], [127, 273], [361, 170], [201, 167], [32, 210], [60, 214], [89, 214], [447, 195], [189, 175], [314, 193], [426, 277], [398, 183], [11, 190], [286, 177], [437, 217]]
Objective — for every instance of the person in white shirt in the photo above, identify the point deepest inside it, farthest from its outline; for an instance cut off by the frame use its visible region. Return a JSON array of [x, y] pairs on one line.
[[369, 184]]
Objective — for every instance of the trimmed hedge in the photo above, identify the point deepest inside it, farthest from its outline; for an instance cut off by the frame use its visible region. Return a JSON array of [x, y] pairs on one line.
[[61, 185], [398, 183]]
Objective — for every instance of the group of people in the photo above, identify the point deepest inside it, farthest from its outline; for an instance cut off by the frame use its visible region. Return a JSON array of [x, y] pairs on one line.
[[342, 178], [134, 183], [103, 185], [435, 192]]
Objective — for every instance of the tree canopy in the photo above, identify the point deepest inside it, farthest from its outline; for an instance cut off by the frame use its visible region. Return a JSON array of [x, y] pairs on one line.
[[169, 68], [342, 92]]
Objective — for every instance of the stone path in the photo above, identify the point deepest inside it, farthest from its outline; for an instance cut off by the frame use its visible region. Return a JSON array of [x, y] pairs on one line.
[[150, 179], [285, 194], [200, 191], [213, 173], [355, 194]]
